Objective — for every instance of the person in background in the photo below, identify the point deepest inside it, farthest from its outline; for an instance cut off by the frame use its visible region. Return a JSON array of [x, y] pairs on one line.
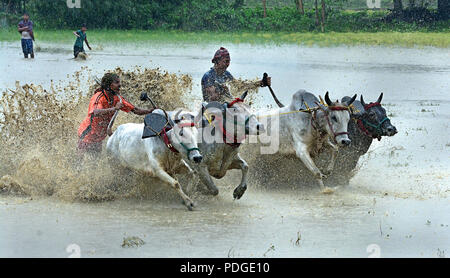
[[79, 43], [25, 28], [104, 103], [214, 81]]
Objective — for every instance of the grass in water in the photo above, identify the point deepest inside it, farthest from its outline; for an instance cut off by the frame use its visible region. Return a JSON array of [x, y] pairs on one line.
[[410, 39]]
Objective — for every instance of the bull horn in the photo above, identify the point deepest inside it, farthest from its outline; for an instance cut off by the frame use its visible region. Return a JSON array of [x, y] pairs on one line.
[[380, 98], [362, 101], [327, 99], [348, 103], [244, 95], [177, 119]]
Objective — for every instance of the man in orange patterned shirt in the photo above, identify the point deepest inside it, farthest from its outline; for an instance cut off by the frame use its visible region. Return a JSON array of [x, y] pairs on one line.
[[104, 103]]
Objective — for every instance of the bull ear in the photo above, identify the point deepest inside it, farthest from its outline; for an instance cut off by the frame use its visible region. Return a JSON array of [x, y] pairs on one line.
[[327, 99], [244, 95], [348, 103], [362, 101], [380, 98], [177, 117]]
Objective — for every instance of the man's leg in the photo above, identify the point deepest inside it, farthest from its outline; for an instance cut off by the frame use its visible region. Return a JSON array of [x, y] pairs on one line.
[[31, 49], [24, 48], [76, 51]]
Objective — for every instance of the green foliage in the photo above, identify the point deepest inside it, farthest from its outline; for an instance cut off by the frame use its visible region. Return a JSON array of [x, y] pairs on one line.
[[217, 15]]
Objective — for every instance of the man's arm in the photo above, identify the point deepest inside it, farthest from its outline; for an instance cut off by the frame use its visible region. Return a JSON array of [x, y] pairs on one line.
[[21, 29], [258, 83], [87, 43], [75, 33], [99, 112], [140, 111]]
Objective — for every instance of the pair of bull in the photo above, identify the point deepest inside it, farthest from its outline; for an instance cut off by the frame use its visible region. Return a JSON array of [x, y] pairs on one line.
[[308, 127], [178, 144]]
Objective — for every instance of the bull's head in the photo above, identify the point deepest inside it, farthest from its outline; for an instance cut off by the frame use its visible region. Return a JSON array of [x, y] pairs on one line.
[[375, 120], [238, 114], [336, 119], [184, 138], [234, 117]]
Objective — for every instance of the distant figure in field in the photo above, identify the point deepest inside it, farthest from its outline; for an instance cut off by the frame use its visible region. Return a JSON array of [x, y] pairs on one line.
[[79, 43], [25, 28], [214, 81]]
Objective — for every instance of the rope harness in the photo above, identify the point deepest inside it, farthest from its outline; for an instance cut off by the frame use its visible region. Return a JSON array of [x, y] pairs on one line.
[[313, 112], [327, 117], [363, 123], [236, 142], [167, 127]]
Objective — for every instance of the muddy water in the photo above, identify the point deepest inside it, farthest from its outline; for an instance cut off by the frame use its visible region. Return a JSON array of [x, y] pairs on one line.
[[398, 200]]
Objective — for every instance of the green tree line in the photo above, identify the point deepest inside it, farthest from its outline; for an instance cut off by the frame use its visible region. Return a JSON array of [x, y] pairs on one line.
[[231, 15]]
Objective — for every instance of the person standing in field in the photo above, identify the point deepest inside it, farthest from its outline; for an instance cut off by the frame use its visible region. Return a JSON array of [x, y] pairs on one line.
[[104, 103], [79, 43], [25, 28], [214, 81]]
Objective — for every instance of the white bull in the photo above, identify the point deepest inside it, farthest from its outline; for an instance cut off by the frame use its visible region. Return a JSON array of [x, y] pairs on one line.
[[152, 156], [303, 133]]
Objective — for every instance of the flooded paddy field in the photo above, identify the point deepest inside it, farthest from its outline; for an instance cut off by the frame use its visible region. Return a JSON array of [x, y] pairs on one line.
[[397, 204]]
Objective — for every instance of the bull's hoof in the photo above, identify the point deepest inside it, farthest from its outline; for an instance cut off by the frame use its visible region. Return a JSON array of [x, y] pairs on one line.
[[320, 176], [189, 204], [239, 192], [327, 190], [327, 172]]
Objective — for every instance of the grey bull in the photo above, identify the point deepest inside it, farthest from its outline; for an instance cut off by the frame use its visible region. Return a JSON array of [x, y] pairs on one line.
[[368, 122], [222, 129]]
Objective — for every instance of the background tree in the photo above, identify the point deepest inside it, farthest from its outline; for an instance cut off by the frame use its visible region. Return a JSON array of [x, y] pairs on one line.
[[398, 6], [322, 22], [14, 6], [265, 8], [238, 4], [444, 9], [300, 6], [316, 8]]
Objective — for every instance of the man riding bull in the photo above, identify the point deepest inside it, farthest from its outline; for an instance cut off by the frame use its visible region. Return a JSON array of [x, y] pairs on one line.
[[102, 107], [214, 86]]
